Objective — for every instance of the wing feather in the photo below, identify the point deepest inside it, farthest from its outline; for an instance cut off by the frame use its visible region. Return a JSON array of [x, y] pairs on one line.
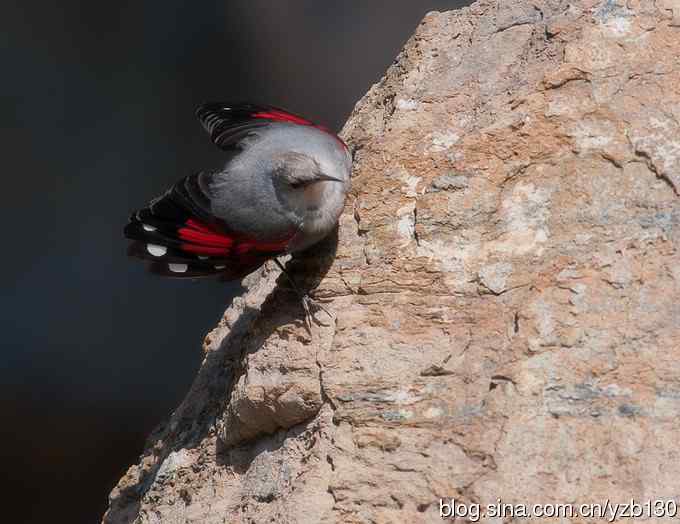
[[178, 233], [229, 124]]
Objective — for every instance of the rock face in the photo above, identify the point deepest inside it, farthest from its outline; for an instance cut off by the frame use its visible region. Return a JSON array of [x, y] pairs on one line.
[[505, 287]]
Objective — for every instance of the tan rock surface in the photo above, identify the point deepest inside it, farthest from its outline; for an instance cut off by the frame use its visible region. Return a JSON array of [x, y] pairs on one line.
[[505, 283]]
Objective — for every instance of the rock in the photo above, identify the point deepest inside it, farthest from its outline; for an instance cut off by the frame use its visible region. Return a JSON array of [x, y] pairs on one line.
[[449, 181], [504, 285]]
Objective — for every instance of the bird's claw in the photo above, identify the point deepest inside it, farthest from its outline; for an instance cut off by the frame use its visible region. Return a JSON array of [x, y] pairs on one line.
[[308, 304], [326, 300]]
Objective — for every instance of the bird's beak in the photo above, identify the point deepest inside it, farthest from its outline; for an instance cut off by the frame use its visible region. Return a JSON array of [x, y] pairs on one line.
[[322, 176]]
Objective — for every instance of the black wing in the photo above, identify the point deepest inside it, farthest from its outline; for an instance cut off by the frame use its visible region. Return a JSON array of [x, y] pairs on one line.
[[179, 235], [228, 124]]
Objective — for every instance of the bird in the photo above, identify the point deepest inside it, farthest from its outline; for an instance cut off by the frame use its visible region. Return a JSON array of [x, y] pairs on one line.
[[280, 190]]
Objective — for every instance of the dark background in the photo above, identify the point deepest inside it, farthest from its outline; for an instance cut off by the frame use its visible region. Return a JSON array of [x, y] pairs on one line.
[[97, 118]]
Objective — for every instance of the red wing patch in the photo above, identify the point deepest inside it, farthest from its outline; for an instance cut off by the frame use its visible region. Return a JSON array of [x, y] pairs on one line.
[[261, 247], [202, 240], [279, 115]]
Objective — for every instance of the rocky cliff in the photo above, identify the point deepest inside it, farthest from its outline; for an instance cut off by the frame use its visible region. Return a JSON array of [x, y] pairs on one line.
[[504, 284]]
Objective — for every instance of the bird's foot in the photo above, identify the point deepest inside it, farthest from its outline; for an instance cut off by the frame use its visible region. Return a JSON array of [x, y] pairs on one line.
[[309, 304]]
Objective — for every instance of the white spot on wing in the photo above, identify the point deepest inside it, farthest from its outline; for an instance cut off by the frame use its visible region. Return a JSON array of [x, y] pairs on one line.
[[147, 227], [178, 268], [220, 267], [203, 257], [156, 250]]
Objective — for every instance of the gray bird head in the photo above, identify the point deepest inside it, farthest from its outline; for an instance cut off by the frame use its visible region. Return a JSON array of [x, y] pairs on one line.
[[301, 183], [299, 172]]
